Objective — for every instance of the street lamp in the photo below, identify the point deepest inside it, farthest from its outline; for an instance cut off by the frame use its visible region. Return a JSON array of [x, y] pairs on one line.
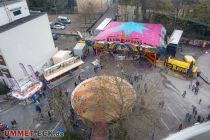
[[101, 7]]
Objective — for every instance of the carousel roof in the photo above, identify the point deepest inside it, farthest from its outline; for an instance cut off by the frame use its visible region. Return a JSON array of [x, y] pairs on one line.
[[150, 34], [103, 98]]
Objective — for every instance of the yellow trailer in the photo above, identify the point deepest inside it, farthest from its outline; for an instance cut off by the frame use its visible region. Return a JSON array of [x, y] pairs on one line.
[[181, 66]]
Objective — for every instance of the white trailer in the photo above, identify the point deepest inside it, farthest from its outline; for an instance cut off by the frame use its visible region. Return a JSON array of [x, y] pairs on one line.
[[80, 49]]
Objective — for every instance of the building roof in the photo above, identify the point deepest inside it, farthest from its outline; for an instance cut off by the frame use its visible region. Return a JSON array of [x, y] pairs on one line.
[[128, 32], [175, 37], [104, 24], [19, 22], [8, 2]]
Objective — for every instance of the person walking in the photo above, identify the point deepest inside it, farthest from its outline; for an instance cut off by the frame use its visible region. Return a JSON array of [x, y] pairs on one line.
[[44, 94], [184, 93], [193, 88], [38, 109], [180, 127], [79, 78], [49, 115], [195, 113], [199, 119], [95, 69], [131, 82], [189, 118], [145, 87], [200, 101], [194, 109], [75, 84], [13, 123], [196, 90], [197, 83], [153, 136]]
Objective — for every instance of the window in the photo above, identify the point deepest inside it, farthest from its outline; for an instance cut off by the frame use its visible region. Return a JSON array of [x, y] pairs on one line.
[[16, 13]]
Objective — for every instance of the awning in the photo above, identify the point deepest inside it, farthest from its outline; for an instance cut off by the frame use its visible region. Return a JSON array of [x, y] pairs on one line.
[[63, 70]]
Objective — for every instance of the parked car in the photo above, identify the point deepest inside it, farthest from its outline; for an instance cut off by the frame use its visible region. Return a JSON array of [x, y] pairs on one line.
[[55, 36], [59, 23], [58, 26], [64, 20]]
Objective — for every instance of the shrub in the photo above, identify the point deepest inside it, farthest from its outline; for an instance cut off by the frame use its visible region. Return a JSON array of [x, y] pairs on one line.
[[3, 89], [71, 136]]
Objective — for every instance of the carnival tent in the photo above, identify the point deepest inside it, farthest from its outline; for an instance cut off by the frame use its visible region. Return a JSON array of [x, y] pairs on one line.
[[133, 33], [99, 99]]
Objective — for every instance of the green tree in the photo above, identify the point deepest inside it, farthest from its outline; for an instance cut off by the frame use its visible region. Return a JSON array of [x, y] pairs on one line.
[[201, 11], [158, 6], [3, 89], [148, 7]]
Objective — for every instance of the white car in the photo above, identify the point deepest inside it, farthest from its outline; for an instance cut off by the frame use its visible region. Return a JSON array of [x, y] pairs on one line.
[[64, 19], [60, 27]]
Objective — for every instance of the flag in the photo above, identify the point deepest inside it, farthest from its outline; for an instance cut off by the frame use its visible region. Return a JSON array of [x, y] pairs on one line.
[[32, 73], [24, 69]]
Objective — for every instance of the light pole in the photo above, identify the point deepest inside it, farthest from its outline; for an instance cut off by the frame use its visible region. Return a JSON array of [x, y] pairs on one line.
[[101, 7]]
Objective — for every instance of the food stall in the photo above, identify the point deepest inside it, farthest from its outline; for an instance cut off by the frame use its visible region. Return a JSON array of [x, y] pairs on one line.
[[60, 72]]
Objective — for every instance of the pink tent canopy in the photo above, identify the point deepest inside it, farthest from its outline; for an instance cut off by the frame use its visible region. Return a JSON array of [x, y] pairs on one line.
[[145, 33]]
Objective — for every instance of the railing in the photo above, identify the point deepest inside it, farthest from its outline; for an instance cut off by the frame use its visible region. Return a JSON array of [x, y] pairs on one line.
[[205, 79]]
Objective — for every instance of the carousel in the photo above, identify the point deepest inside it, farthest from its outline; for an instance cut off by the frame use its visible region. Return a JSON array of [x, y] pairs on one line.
[[131, 40], [100, 100]]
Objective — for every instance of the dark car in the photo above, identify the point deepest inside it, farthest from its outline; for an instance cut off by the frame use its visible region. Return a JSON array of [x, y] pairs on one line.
[[55, 36]]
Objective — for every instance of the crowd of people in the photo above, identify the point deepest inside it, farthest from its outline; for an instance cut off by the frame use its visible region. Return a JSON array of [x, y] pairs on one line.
[[194, 116]]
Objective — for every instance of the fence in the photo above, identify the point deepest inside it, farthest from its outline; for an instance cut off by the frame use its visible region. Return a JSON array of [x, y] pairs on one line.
[[195, 42], [205, 79]]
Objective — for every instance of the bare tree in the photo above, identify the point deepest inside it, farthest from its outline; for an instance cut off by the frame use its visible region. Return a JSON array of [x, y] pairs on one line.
[[59, 102], [87, 9], [145, 117]]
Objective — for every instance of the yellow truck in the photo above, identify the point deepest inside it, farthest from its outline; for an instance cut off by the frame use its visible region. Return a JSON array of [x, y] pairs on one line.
[[184, 67]]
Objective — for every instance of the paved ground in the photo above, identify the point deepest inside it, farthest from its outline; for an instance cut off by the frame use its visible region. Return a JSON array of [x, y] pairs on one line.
[[172, 115]]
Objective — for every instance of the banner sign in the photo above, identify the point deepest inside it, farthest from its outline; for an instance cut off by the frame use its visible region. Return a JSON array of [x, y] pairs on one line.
[[23, 69], [15, 84]]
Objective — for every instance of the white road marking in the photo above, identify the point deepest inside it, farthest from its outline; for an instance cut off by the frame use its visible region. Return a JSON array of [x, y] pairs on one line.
[[82, 70], [3, 112], [174, 114], [56, 125], [161, 119], [37, 125]]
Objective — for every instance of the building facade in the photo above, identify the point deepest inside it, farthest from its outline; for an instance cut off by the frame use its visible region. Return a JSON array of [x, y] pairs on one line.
[[27, 40], [12, 10]]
